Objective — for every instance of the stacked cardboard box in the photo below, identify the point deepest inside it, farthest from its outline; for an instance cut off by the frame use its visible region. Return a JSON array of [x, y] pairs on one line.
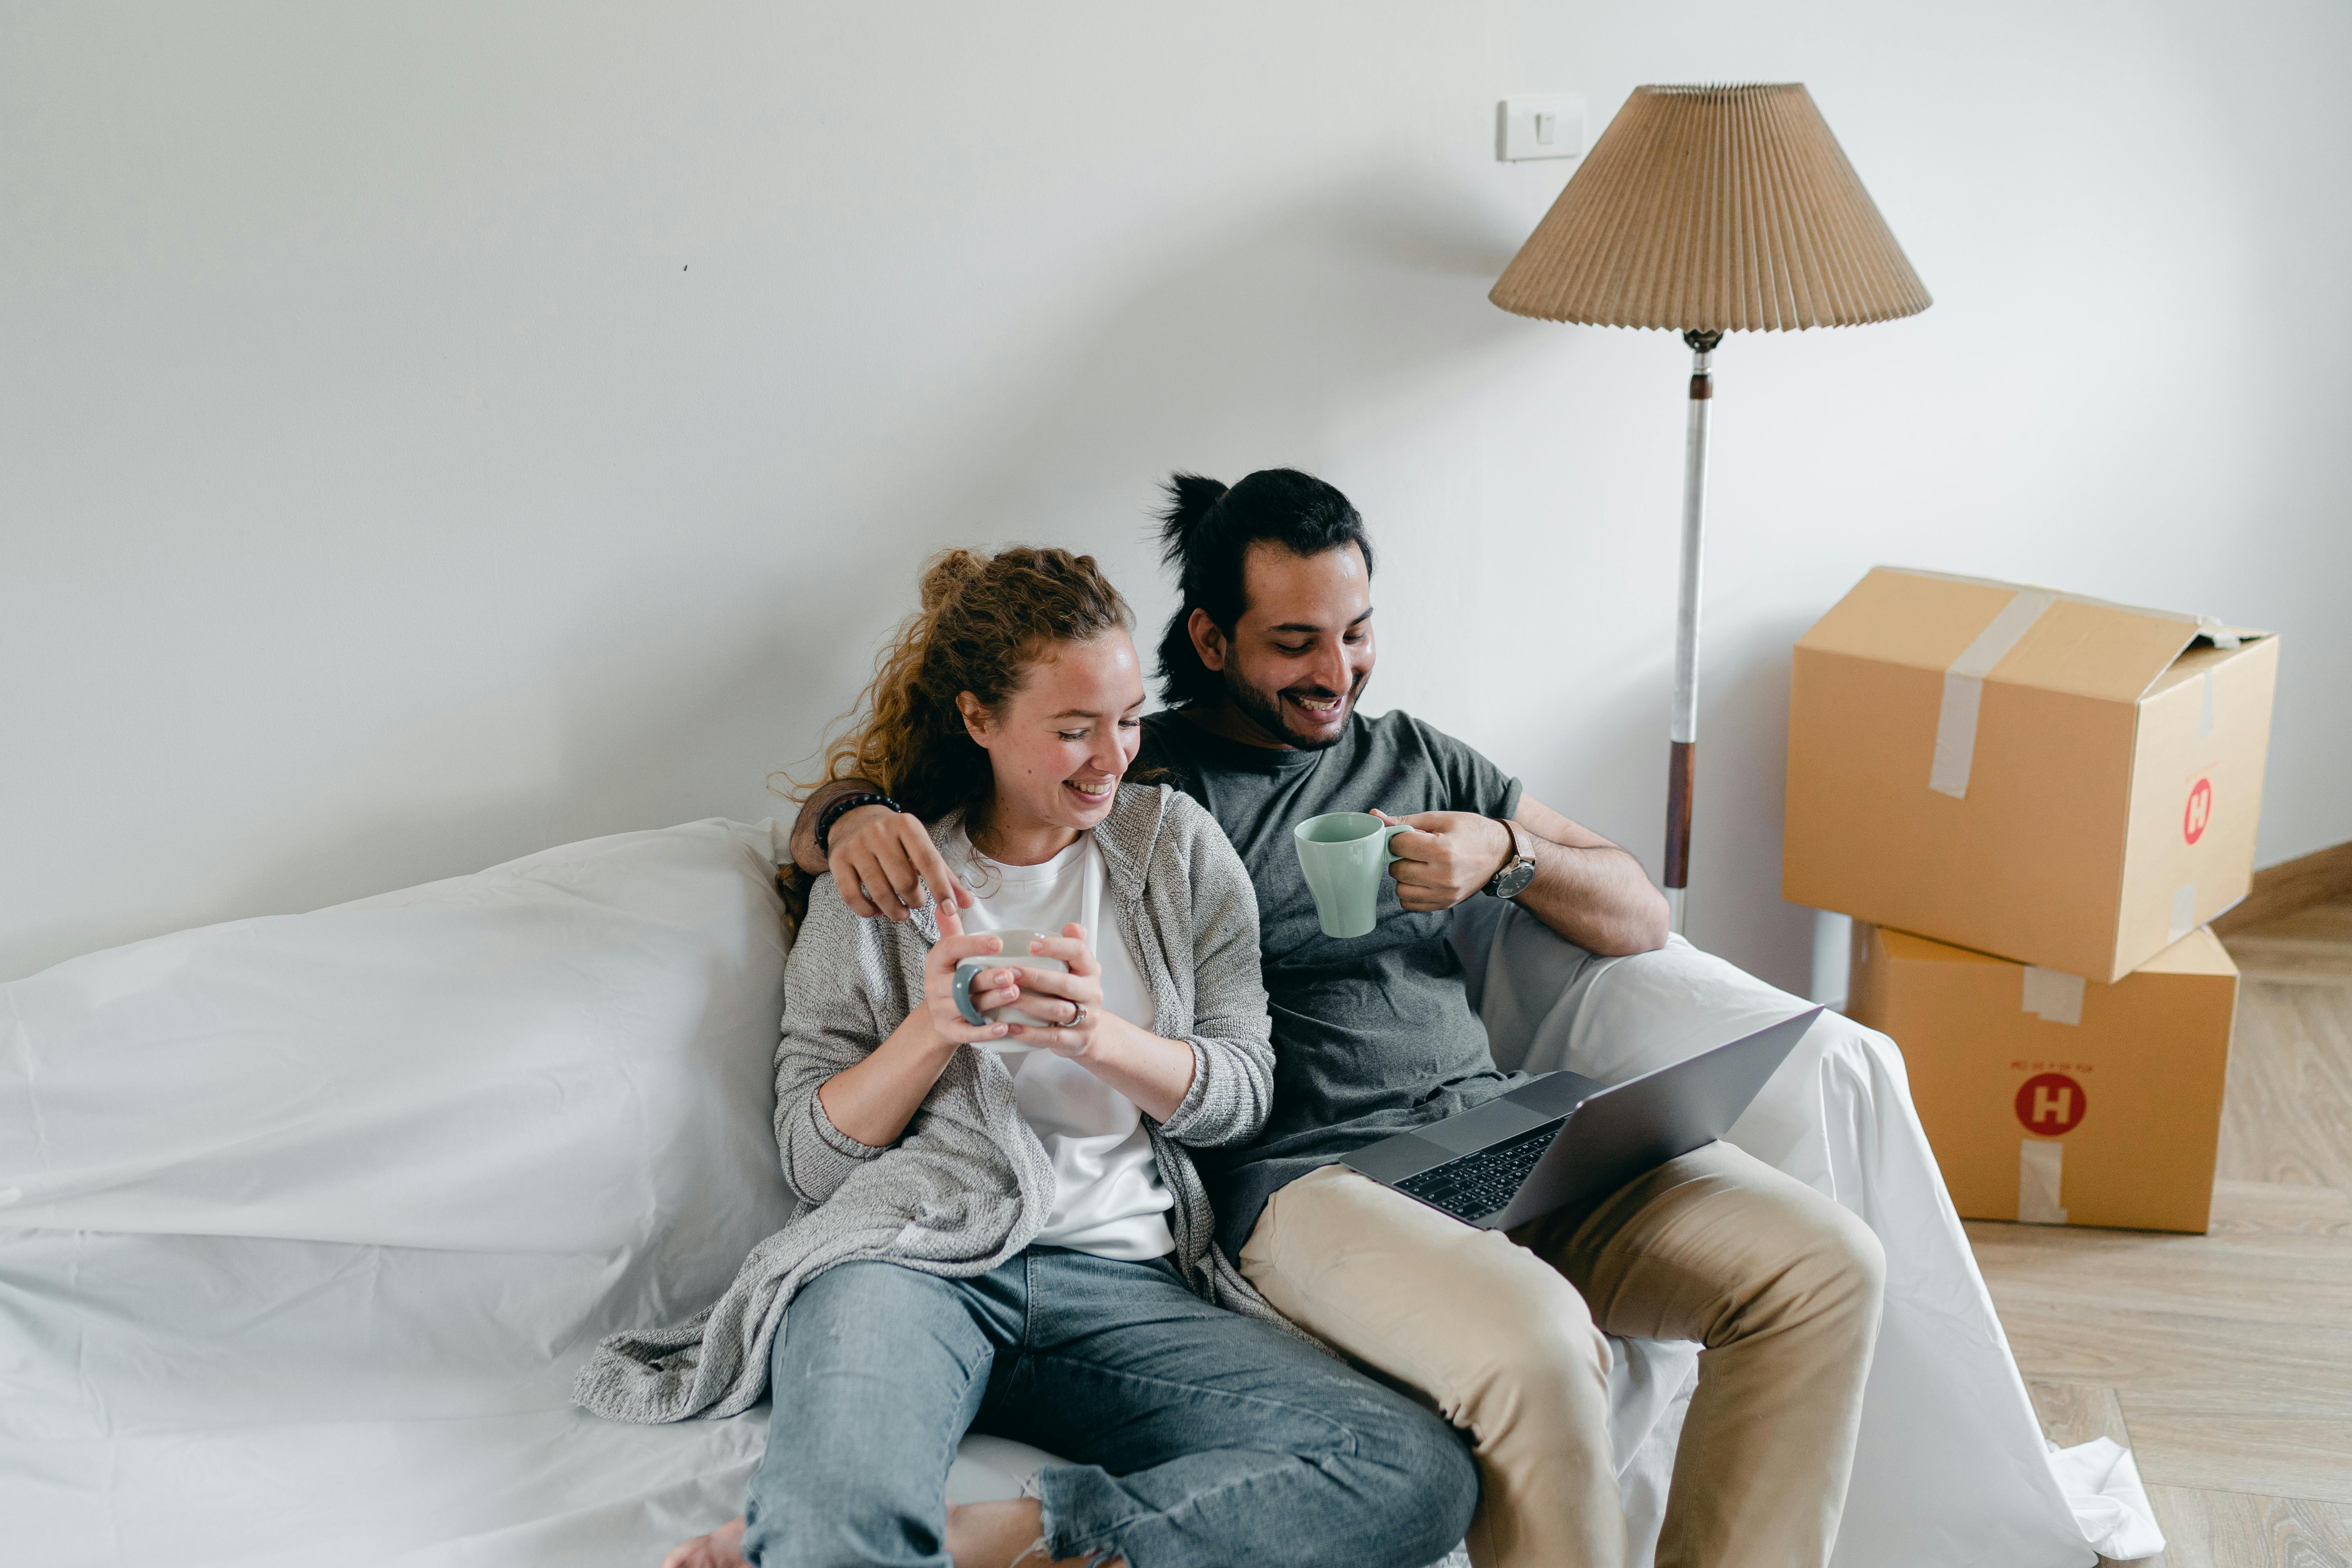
[[2032, 803]]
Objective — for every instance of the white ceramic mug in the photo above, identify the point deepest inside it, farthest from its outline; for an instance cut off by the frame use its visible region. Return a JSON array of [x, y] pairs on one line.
[[1016, 955]]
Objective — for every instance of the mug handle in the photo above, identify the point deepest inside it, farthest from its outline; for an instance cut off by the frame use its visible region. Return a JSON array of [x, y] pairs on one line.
[[1388, 837], [960, 987]]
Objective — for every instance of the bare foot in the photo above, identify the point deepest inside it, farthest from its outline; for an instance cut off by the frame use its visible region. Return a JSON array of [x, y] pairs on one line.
[[1003, 1535], [722, 1548]]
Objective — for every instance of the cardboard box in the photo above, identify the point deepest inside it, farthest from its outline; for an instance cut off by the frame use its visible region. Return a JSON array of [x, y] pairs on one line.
[[2053, 1100], [2067, 783]]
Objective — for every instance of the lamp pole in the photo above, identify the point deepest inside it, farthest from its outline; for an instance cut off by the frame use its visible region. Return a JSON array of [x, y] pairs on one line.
[[1681, 753], [1730, 205]]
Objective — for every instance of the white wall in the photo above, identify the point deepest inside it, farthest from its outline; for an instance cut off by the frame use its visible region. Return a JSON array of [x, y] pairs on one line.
[[428, 434]]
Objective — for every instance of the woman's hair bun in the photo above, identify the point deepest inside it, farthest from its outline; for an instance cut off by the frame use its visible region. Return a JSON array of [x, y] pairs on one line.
[[1190, 498], [945, 576]]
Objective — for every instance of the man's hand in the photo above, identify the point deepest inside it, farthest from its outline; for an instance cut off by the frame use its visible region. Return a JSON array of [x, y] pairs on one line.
[[1448, 857], [879, 858]]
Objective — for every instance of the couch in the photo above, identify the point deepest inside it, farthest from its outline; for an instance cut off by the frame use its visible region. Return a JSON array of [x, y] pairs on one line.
[[306, 1221]]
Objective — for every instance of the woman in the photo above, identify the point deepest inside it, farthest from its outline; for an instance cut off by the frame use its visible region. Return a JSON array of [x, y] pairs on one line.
[[1004, 1228]]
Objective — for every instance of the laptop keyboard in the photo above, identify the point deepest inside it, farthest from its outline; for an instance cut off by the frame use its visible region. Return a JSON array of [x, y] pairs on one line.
[[1476, 1185]]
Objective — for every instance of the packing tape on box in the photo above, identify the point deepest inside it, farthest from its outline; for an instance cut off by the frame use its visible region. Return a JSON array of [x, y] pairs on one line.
[[2051, 995], [1955, 720], [2040, 1171], [2184, 909]]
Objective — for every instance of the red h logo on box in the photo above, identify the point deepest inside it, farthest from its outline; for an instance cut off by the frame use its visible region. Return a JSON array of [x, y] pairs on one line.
[[2200, 810], [2050, 1104]]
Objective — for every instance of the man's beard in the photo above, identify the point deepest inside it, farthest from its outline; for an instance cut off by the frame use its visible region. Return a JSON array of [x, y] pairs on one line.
[[1265, 711]]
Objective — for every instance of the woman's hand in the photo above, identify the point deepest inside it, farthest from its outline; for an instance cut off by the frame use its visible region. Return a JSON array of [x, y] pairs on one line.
[[1155, 1073], [874, 1100], [990, 988], [1075, 996]]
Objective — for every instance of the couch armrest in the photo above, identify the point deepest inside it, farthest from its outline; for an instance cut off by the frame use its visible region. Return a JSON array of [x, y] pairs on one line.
[[1549, 1004]]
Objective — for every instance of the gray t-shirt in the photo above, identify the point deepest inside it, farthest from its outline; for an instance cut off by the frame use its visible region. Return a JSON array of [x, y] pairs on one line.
[[1373, 1035]]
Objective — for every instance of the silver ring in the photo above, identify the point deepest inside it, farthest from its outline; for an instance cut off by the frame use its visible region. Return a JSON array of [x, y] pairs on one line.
[[1077, 1017]]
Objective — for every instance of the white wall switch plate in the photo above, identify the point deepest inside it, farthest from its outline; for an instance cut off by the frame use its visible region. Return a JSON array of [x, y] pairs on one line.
[[1547, 125]]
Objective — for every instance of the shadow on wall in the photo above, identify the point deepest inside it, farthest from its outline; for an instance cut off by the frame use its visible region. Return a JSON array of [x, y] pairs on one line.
[[1234, 350], [1614, 761], [1745, 713], [1251, 347]]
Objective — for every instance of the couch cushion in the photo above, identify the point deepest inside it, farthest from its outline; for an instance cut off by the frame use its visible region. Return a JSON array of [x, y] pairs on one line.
[[309, 1219]]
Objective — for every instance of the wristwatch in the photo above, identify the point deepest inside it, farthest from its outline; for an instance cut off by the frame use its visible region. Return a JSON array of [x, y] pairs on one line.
[[1519, 870]]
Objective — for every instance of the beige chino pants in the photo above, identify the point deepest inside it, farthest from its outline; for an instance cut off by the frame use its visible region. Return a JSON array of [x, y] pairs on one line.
[[1779, 1284]]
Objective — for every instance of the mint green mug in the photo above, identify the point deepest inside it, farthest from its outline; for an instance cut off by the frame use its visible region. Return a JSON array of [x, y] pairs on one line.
[[1346, 857]]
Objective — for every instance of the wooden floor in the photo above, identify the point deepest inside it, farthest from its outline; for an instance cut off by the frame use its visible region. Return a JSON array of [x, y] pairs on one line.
[[2224, 1361]]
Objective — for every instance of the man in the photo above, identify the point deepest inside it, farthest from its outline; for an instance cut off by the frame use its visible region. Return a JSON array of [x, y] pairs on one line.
[[1263, 665]]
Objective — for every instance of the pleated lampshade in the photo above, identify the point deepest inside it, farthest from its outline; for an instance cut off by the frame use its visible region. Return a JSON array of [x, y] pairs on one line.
[[1713, 209]]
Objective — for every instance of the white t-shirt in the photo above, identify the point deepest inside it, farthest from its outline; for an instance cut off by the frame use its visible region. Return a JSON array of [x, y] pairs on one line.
[[1108, 1196]]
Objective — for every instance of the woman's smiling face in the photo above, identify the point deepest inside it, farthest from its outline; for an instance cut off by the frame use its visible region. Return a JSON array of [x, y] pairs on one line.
[[1059, 744]]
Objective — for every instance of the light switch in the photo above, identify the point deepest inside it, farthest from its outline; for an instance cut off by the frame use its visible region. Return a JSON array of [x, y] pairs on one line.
[[1548, 125]]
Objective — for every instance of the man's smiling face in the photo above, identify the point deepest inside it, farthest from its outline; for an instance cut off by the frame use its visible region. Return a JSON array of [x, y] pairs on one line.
[[1302, 651]]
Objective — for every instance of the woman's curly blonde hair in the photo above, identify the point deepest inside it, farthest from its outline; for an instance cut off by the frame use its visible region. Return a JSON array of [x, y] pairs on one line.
[[984, 620]]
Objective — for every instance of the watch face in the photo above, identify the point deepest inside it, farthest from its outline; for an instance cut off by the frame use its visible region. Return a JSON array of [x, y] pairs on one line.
[[1513, 879]]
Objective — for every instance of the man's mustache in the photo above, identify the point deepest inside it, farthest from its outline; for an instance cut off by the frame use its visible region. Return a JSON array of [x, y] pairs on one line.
[[1324, 691]]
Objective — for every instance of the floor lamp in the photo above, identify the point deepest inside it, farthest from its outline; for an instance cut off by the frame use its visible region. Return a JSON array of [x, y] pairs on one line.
[[1707, 210]]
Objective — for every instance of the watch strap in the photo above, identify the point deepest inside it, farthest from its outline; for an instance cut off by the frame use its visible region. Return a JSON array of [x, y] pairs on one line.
[[1523, 853]]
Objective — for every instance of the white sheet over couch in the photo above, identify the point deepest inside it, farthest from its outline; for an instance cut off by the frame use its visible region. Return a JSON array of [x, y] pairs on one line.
[[311, 1218], [308, 1221], [1951, 1467]]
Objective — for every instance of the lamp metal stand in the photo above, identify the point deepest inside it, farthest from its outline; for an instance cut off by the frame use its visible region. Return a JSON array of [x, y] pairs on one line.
[[1683, 737]]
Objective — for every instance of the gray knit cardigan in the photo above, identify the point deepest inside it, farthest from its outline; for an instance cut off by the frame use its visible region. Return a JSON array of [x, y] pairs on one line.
[[968, 1184]]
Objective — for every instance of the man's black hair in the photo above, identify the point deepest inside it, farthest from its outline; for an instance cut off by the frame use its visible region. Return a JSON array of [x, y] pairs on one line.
[[1206, 532]]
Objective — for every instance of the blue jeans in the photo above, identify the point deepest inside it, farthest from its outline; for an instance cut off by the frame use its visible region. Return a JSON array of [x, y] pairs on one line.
[[1202, 1440]]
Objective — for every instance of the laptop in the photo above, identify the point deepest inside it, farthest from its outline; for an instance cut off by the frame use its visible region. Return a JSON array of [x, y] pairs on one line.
[[1564, 1137]]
